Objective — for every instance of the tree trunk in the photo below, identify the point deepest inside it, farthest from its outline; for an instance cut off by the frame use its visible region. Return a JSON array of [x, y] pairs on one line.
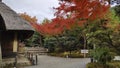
[[40, 40], [59, 43], [85, 43]]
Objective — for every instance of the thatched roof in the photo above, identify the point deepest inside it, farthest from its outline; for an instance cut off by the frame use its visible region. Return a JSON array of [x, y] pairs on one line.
[[12, 20]]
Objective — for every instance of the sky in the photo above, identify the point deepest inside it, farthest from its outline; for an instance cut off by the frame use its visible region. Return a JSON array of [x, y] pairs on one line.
[[40, 8]]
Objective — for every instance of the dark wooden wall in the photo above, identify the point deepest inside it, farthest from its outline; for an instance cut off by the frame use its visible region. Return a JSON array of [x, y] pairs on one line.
[[7, 44]]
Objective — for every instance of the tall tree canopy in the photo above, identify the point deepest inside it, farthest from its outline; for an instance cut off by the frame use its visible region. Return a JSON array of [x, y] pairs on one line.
[[85, 9], [71, 13]]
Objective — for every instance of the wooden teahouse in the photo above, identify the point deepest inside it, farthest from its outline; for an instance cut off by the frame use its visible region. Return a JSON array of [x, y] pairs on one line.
[[12, 29]]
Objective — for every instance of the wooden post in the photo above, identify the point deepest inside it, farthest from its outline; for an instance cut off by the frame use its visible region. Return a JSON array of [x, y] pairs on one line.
[[15, 48], [0, 53], [32, 58], [15, 43], [36, 59], [29, 55]]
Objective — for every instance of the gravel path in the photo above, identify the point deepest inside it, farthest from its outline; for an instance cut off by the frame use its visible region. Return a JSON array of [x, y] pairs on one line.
[[56, 62]]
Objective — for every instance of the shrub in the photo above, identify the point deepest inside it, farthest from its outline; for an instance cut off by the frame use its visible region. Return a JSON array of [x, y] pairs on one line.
[[75, 55], [94, 65], [113, 64], [67, 54], [102, 55]]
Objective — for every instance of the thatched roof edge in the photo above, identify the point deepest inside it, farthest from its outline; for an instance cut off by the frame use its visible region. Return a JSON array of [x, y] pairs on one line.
[[12, 20]]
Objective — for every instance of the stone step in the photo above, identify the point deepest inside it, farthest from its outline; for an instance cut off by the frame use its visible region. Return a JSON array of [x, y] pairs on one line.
[[20, 61]]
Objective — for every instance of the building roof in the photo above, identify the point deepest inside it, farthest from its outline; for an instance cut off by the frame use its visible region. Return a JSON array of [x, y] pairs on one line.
[[12, 20]]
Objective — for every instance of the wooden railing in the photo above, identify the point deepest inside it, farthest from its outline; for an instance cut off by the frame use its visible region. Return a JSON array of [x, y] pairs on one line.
[[32, 57], [37, 50], [33, 52]]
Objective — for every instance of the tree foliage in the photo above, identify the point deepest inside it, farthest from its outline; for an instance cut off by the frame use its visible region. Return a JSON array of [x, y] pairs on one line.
[[117, 10], [35, 40], [102, 55], [28, 18], [80, 24], [71, 13]]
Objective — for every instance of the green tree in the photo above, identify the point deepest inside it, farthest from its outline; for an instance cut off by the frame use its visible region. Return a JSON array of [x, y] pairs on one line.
[[117, 10], [35, 40], [102, 55]]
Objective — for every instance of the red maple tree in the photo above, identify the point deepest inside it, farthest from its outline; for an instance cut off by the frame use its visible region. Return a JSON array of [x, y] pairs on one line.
[[73, 12]]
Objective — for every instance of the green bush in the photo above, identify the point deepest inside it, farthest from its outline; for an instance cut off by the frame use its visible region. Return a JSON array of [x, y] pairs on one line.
[[74, 55], [94, 65], [65, 54], [102, 55], [113, 64]]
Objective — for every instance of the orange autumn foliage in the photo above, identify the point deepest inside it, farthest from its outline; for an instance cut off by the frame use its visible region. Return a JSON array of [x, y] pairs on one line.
[[84, 9], [28, 17], [53, 28], [73, 12]]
